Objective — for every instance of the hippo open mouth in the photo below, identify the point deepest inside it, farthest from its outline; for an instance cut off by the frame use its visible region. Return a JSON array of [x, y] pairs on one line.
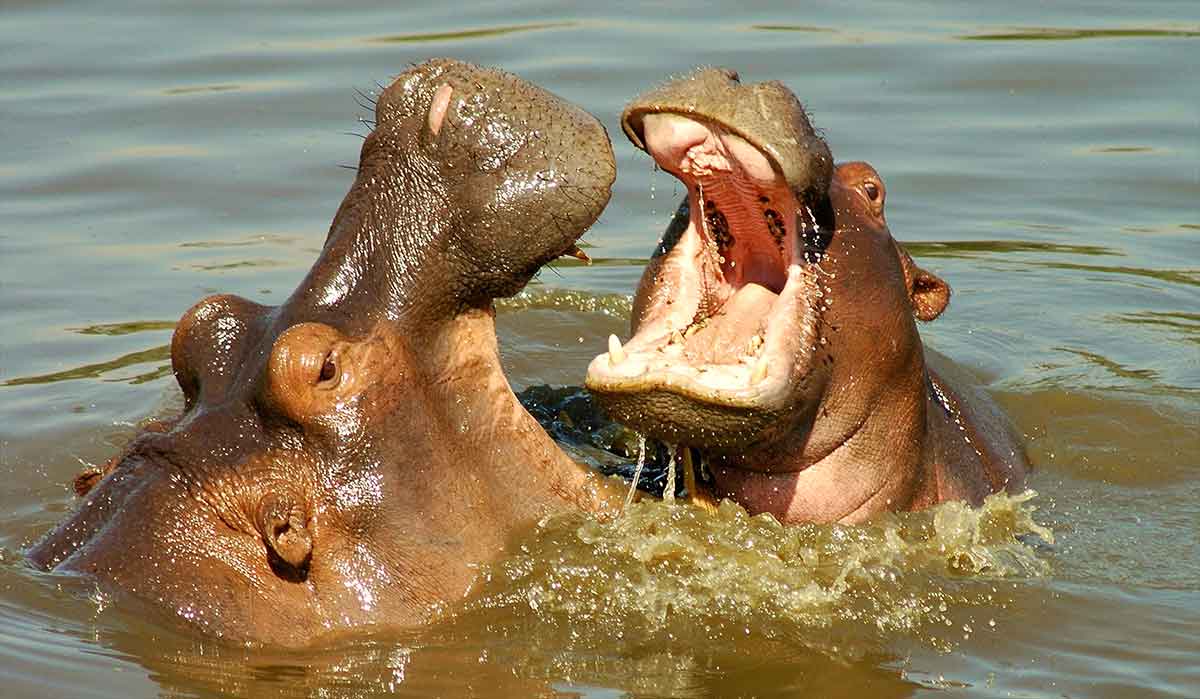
[[798, 406], [734, 318]]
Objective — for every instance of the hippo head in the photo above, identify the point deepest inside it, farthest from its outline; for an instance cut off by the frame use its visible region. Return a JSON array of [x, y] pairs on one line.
[[777, 311], [344, 458]]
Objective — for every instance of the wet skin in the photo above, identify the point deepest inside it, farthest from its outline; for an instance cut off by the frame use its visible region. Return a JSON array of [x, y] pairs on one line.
[[774, 330], [346, 458]]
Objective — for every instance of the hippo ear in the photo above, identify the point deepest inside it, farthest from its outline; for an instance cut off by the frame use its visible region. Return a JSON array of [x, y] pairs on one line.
[[284, 526], [928, 293]]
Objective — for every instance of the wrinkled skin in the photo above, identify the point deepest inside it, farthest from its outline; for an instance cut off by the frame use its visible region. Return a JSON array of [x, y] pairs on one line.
[[775, 328], [346, 459]]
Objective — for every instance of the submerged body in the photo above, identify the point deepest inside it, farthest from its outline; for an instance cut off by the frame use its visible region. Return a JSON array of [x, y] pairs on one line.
[[347, 458], [775, 327]]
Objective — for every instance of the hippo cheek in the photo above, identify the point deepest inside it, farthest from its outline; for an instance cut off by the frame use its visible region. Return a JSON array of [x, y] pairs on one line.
[[194, 557]]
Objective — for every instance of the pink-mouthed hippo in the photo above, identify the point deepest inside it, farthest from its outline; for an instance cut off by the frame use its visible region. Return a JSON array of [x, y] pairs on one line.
[[774, 330]]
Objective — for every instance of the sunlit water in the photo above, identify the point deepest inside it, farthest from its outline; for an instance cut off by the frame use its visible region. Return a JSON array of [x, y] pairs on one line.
[[1044, 160]]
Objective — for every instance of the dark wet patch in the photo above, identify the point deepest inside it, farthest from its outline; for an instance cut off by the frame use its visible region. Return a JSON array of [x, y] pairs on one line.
[[571, 416]]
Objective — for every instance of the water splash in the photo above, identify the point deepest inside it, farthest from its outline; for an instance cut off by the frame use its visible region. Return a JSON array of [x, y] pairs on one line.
[[661, 573]]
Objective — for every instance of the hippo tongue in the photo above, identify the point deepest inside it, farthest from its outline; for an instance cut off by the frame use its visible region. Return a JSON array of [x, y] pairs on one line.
[[726, 337]]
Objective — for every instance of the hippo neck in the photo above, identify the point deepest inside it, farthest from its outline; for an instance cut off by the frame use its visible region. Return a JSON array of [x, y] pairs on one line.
[[528, 474], [366, 272]]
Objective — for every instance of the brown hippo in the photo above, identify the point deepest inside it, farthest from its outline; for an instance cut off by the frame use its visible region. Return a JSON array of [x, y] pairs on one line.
[[346, 458], [774, 331]]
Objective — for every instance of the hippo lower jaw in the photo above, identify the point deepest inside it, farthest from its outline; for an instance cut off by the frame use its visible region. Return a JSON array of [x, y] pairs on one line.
[[719, 353]]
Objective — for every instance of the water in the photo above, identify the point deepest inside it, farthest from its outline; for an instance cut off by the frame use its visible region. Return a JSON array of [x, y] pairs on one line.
[[637, 473], [1044, 159]]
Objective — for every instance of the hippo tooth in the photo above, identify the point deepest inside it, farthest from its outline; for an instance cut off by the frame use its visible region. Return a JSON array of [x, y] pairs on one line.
[[760, 371], [677, 338], [616, 354]]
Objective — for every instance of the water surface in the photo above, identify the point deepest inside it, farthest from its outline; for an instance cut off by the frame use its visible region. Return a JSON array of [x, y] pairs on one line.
[[1044, 160]]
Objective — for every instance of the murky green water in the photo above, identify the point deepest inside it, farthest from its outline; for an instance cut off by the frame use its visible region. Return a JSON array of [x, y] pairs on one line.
[[1044, 160]]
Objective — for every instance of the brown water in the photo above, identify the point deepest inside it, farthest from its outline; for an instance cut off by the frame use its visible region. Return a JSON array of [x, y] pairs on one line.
[[1045, 161]]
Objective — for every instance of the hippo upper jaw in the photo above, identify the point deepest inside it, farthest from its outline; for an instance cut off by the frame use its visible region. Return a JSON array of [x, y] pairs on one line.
[[726, 339]]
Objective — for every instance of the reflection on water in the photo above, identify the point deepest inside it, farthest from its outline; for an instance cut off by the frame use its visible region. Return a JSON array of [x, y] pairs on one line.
[[1061, 34], [99, 369], [1112, 367], [137, 326], [793, 28], [468, 34], [968, 249], [1190, 277], [240, 264], [1186, 325]]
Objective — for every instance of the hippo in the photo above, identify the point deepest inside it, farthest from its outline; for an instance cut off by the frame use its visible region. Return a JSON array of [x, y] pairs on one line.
[[774, 329], [349, 458]]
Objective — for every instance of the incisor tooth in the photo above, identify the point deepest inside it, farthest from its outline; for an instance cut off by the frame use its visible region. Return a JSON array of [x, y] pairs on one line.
[[616, 354], [760, 371]]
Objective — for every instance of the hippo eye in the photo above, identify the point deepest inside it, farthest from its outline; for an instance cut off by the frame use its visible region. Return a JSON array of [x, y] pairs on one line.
[[872, 191], [328, 370]]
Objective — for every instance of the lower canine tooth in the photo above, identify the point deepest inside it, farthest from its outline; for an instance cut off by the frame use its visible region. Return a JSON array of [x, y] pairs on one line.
[[760, 371], [616, 353]]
